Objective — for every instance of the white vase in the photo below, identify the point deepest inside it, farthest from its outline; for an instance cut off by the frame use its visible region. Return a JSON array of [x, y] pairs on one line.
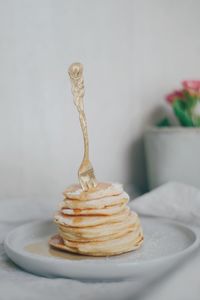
[[172, 154]]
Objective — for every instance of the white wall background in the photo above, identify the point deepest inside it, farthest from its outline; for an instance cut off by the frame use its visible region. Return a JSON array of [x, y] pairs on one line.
[[133, 52]]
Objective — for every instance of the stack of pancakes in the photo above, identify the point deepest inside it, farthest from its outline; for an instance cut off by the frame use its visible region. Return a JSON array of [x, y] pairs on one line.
[[97, 222]]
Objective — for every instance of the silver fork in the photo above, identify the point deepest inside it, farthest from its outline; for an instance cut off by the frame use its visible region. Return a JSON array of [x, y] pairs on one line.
[[86, 172]]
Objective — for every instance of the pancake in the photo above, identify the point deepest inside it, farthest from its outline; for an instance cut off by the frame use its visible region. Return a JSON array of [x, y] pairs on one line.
[[72, 238], [101, 230], [107, 232], [108, 243], [102, 189], [96, 203], [107, 211], [117, 246], [90, 220]]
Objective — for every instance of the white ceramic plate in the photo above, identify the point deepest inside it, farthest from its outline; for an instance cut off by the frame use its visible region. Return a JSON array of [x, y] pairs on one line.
[[166, 243]]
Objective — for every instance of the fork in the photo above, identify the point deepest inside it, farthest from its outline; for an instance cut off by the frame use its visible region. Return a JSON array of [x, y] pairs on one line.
[[86, 172]]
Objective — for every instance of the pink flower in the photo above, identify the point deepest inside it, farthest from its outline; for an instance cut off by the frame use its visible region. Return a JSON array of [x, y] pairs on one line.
[[174, 96], [192, 86]]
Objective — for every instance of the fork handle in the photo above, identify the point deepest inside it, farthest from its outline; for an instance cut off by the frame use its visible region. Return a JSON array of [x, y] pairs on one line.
[[77, 82]]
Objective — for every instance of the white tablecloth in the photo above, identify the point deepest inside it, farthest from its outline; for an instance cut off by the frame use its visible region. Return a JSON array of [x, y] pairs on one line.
[[176, 200]]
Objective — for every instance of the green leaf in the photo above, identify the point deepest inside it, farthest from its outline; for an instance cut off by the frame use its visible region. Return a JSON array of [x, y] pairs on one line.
[[163, 123], [195, 113], [190, 100], [182, 113]]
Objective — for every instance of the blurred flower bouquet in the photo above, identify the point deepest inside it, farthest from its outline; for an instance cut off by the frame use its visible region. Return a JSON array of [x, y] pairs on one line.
[[172, 154], [185, 104]]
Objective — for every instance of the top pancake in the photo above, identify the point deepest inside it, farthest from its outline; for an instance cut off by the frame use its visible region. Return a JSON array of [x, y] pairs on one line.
[[101, 190]]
